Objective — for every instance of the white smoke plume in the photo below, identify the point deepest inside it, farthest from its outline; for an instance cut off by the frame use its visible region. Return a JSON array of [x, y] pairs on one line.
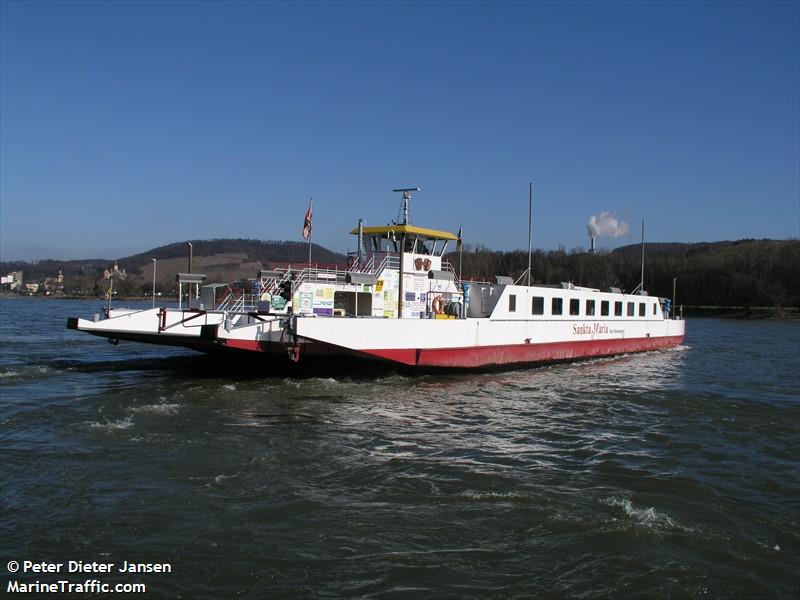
[[606, 225]]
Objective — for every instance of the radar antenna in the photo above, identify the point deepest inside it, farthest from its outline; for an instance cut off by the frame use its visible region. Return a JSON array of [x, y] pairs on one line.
[[406, 201]]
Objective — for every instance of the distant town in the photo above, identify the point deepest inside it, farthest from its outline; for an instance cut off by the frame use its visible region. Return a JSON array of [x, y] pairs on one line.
[[56, 285]]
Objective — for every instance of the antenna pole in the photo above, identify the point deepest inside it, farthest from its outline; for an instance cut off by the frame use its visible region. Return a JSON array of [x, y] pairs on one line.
[[674, 284], [641, 281], [406, 199], [530, 214], [154, 282], [460, 255]]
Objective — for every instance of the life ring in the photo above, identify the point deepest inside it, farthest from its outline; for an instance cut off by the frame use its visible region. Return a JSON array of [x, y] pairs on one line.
[[437, 305]]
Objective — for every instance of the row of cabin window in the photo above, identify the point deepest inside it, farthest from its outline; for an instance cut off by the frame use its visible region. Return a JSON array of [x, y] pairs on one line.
[[557, 307]]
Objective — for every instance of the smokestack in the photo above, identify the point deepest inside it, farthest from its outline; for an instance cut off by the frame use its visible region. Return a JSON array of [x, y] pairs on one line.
[[606, 224], [591, 246]]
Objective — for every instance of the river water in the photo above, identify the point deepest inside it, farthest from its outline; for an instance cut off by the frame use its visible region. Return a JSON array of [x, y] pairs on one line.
[[671, 474]]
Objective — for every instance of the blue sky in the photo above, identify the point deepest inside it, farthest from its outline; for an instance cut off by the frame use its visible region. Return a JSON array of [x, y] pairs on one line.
[[124, 126]]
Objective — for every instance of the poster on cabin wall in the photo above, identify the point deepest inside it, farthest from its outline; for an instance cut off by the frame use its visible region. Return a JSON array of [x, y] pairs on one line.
[[377, 304], [413, 304], [323, 300], [303, 301], [391, 280], [390, 303]]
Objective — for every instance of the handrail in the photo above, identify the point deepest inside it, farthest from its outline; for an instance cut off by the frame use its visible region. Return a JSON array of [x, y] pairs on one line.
[[447, 266], [239, 301]]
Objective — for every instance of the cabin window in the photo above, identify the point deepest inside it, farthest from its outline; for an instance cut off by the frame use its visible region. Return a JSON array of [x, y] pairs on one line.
[[352, 303], [537, 305], [642, 309], [631, 308], [655, 310], [512, 303], [617, 309], [604, 308], [590, 308], [557, 306], [574, 306]]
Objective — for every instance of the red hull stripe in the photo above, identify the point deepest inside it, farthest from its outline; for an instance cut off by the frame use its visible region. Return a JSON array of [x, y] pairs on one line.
[[250, 345], [480, 356]]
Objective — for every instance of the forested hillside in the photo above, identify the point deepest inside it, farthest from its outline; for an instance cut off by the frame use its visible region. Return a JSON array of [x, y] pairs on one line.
[[742, 273]]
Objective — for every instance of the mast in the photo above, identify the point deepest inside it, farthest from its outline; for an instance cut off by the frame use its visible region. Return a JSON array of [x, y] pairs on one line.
[[406, 202], [530, 215], [360, 241], [640, 288], [674, 284], [641, 281]]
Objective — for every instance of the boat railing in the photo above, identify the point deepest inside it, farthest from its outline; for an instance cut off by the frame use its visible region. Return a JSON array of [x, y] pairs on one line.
[[390, 261], [367, 264], [447, 266], [238, 301], [246, 300], [239, 304], [360, 264]]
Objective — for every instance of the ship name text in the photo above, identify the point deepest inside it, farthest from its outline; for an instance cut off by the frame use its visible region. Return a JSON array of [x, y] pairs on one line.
[[588, 328]]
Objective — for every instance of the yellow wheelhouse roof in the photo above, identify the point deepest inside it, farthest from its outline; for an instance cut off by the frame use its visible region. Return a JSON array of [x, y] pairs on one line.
[[408, 229]]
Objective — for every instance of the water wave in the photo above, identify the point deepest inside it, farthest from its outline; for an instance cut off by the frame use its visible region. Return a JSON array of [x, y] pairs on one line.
[[163, 408], [110, 426], [648, 517]]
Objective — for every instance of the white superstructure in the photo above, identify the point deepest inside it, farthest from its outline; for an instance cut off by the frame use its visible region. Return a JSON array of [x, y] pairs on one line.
[[399, 301]]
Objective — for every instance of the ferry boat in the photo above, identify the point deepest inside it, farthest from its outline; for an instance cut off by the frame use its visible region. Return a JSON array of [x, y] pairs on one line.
[[397, 302]]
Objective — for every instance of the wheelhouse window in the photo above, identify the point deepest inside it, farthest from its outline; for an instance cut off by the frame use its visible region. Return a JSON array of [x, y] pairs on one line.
[[512, 303], [655, 309], [642, 309], [537, 305], [617, 309], [557, 306], [604, 308], [631, 308], [590, 308], [574, 306]]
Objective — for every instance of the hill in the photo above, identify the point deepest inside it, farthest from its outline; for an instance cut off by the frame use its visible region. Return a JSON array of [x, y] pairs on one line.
[[220, 260]]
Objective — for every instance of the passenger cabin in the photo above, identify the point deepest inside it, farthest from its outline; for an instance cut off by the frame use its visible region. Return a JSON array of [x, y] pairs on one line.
[[398, 270], [502, 301]]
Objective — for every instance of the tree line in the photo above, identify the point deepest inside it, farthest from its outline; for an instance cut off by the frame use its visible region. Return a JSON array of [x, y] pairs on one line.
[[747, 273]]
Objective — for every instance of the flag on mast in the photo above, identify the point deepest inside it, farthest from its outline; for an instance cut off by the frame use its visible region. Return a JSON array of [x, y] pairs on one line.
[[307, 223], [458, 241]]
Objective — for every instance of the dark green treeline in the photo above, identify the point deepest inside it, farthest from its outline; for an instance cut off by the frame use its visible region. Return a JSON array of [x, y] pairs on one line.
[[748, 273]]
